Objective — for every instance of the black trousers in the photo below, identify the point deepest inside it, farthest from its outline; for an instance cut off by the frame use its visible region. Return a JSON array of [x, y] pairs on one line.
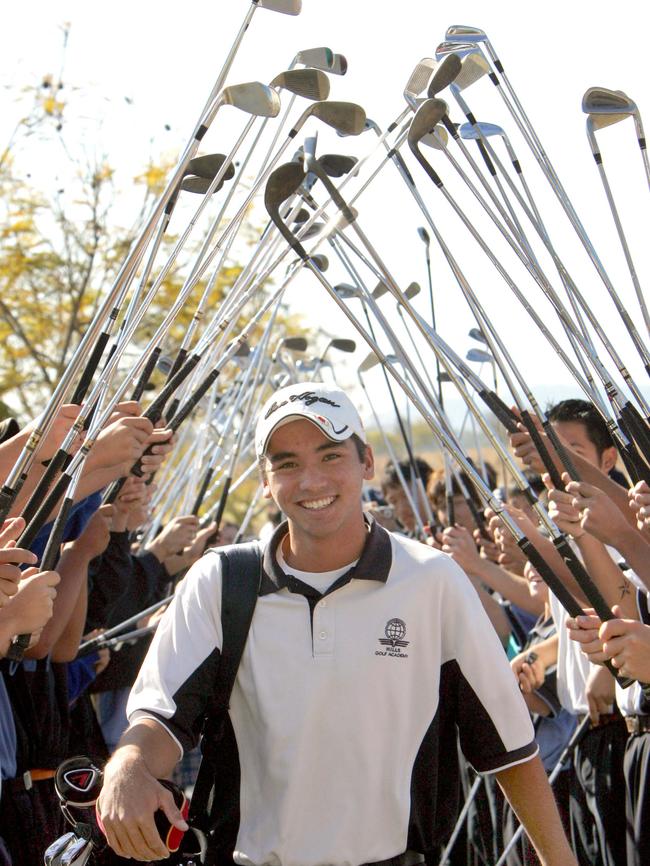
[[637, 768], [30, 820], [597, 796]]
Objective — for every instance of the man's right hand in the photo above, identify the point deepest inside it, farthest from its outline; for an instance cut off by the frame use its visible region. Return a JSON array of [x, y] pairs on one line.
[[11, 557], [127, 803], [32, 606]]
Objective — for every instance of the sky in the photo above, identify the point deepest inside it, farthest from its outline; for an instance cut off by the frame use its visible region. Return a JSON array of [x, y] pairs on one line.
[[143, 71]]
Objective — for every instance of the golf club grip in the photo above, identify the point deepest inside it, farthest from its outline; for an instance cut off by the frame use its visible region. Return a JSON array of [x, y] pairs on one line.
[[451, 511], [113, 491], [586, 584], [502, 412], [637, 428], [143, 381], [91, 366], [203, 490], [155, 411], [562, 452], [179, 360], [549, 577], [542, 450], [188, 407], [478, 517], [39, 520], [60, 461], [220, 509], [170, 414], [637, 469], [486, 158], [52, 548], [7, 497]]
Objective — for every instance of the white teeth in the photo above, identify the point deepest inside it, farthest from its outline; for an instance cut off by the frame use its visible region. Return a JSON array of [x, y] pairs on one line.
[[318, 503]]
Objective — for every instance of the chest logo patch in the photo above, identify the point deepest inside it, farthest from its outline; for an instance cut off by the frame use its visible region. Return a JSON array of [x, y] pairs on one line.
[[394, 644]]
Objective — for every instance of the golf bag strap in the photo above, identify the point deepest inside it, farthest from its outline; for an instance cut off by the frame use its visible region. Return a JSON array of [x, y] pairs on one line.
[[241, 574]]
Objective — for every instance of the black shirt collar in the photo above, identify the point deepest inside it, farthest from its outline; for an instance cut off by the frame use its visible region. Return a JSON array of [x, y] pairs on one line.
[[373, 564]]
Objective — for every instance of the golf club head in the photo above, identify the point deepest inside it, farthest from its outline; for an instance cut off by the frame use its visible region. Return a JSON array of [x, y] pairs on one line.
[[426, 117], [199, 185], [295, 344], [78, 782], [312, 231], [380, 289], [423, 234], [343, 345], [253, 97], [347, 291], [308, 83], [282, 183], [471, 133], [209, 165], [52, 855], [606, 107], [465, 33], [412, 290], [321, 262], [165, 364], [477, 334], [285, 7], [480, 356], [447, 71], [459, 48], [337, 164], [419, 79], [339, 65], [346, 117], [444, 377], [302, 216], [438, 139], [317, 58], [473, 67], [368, 363], [77, 853]]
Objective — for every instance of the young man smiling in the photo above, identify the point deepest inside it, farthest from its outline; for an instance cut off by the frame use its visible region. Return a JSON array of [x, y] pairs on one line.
[[367, 653]]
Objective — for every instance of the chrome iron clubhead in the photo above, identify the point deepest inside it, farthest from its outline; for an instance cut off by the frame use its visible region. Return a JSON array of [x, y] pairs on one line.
[[209, 165], [465, 33], [284, 7], [419, 79], [473, 67], [447, 71], [252, 98], [317, 58], [606, 107], [52, 855], [78, 853], [308, 83], [479, 356]]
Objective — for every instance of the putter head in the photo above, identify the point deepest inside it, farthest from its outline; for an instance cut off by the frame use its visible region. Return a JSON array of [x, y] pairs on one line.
[[423, 234], [419, 79], [337, 164], [317, 58], [471, 133], [209, 166], [480, 356], [285, 7], [477, 334], [465, 33], [447, 71], [52, 855], [253, 97], [346, 117], [339, 65], [473, 67], [411, 290], [308, 83], [426, 117]]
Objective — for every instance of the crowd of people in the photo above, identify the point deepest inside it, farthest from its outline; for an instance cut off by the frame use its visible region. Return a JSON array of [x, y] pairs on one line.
[[58, 702]]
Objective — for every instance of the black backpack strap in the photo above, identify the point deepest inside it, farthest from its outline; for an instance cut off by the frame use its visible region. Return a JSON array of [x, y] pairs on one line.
[[241, 575]]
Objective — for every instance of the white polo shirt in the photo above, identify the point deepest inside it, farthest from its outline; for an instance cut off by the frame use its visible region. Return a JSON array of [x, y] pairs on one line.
[[346, 703]]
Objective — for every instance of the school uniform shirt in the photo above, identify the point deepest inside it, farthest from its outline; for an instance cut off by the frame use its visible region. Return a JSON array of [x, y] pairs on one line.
[[573, 666], [346, 701]]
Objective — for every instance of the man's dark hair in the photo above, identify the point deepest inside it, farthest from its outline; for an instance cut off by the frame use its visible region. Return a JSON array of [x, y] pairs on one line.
[[360, 445], [390, 476], [437, 489], [584, 413]]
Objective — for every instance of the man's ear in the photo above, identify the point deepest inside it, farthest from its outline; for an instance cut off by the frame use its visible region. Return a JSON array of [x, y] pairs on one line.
[[264, 481], [608, 459], [368, 464]]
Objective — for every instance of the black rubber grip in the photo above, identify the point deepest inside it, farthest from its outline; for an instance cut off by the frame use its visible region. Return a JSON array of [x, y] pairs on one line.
[[39, 520], [179, 360], [207, 478], [549, 577], [7, 497], [17, 647], [59, 462], [486, 158], [637, 429], [220, 509], [501, 411], [191, 403], [91, 366], [146, 374], [542, 450], [451, 511], [155, 411], [562, 452], [52, 548]]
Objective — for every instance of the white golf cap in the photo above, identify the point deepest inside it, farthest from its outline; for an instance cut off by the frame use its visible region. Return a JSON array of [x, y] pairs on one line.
[[330, 409]]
